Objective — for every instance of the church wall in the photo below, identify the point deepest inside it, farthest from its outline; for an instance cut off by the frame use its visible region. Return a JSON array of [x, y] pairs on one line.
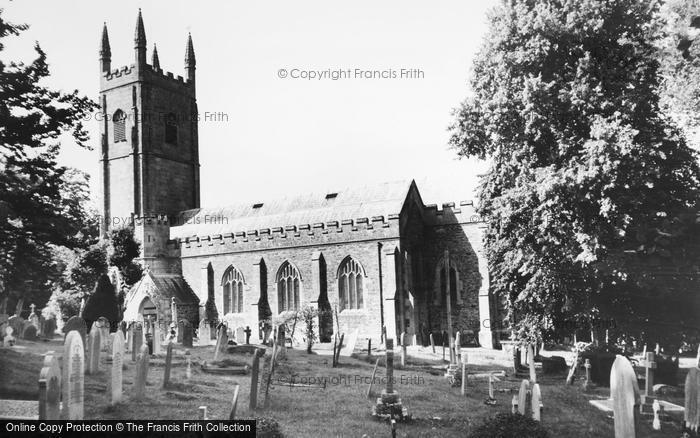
[[301, 248], [464, 242]]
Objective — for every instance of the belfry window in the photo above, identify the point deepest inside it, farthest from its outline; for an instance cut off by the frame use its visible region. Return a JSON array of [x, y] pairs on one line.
[[288, 284], [119, 126], [350, 284], [232, 284]]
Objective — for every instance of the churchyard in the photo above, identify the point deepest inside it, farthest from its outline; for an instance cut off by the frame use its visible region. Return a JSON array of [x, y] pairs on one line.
[[307, 395]]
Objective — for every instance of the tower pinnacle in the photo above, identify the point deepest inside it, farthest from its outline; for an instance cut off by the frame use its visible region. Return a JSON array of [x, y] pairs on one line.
[[190, 61], [105, 51], [155, 62]]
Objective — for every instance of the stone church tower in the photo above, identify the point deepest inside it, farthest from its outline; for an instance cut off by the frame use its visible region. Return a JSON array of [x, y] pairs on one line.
[[149, 152]]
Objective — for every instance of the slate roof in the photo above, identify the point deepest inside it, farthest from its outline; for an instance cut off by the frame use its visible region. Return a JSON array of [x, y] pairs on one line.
[[168, 286], [351, 203]]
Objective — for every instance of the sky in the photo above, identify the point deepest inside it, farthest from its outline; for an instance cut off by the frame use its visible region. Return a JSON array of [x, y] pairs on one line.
[[276, 136]]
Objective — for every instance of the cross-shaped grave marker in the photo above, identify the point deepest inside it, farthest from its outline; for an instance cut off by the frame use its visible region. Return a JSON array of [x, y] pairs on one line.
[[650, 365]]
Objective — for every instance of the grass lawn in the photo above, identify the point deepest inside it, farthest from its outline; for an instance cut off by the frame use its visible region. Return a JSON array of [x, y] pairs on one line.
[[341, 409]]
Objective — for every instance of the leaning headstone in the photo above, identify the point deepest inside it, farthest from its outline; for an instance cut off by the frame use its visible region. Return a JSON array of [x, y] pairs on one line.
[[255, 369], [187, 334], [141, 373], [522, 397], [536, 402], [168, 364], [30, 332], [692, 399], [234, 404], [221, 341], [349, 346], [117, 367], [136, 340], [624, 392], [93, 359], [50, 389], [73, 376]]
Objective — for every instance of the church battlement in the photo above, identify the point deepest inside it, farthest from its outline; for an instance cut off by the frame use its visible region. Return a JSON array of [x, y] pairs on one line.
[[292, 231], [452, 213]]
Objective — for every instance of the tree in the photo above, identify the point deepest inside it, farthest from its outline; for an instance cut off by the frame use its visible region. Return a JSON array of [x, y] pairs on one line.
[[584, 167], [309, 315], [123, 250], [103, 302], [679, 56], [36, 212]]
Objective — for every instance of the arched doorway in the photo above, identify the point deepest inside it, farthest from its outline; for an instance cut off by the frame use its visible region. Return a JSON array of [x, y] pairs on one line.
[[147, 310]]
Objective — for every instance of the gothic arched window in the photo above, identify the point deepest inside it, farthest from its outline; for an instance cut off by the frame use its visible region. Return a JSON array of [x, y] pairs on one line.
[[350, 290], [119, 125], [232, 283], [288, 284], [171, 129]]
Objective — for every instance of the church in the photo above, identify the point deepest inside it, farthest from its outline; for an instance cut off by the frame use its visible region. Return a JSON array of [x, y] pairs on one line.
[[372, 259]]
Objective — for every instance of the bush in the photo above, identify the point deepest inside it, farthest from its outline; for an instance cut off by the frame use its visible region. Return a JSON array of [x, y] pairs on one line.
[[602, 358], [268, 428], [510, 426]]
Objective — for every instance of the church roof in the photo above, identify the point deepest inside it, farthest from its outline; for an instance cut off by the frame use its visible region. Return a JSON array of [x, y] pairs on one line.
[[351, 203], [166, 286]]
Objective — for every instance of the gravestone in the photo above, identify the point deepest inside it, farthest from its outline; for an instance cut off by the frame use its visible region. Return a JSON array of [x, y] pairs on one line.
[[389, 404], [371, 381], [625, 395], [34, 320], [221, 341], [76, 323], [187, 334], [30, 332], [248, 331], [204, 333], [349, 347], [522, 397], [432, 342], [103, 324], [180, 331], [587, 366], [403, 350], [157, 341], [73, 376], [93, 359], [234, 403], [142, 362], [255, 369], [168, 364], [648, 398], [136, 340], [49, 329], [458, 344], [536, 402], [691, 417], [50, 389], [17, 324], [8, 340], [531, 363], [240, 335], [117, 367]]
